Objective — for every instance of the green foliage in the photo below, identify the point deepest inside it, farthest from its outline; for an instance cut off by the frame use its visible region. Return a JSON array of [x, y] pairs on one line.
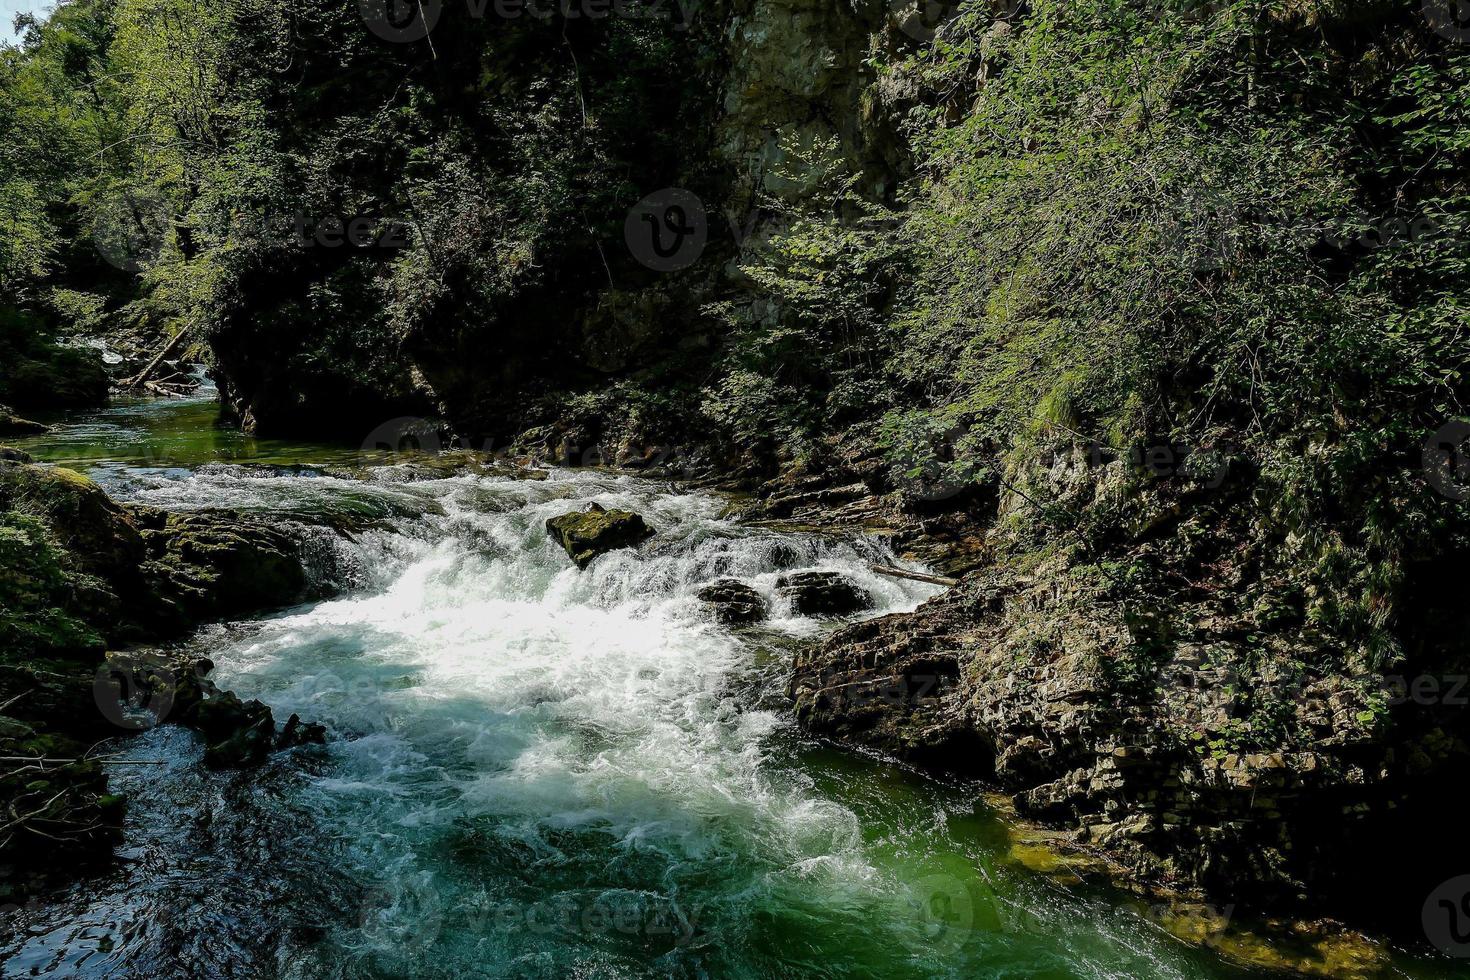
[[38, 596], [806, 360], [1131, 223]]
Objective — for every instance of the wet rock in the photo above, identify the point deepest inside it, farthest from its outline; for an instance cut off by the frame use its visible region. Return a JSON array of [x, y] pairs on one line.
[[822, 594], [13, 426], [84, 520], [1180, 754], [219, 564], [596, 531], [296, 733], [733, 603], [237, 734], [894, 684], [136, 690], [9, 455]]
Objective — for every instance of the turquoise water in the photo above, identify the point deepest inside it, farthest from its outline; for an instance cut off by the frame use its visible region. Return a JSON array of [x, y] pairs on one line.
[[540, 772]]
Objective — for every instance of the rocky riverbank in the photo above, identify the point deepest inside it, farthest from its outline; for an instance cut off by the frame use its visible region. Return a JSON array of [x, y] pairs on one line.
[[85, 582], [1156, 690]]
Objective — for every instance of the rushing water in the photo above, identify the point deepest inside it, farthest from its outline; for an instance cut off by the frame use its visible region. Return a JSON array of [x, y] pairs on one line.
[[539, 772]]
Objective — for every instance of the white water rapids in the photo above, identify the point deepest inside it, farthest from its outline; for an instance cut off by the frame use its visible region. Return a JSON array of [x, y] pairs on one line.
[[535, 771]]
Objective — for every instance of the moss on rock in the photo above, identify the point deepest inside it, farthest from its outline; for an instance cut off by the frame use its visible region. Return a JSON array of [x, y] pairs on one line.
[[596, 531], [13, 426], [218, 564]]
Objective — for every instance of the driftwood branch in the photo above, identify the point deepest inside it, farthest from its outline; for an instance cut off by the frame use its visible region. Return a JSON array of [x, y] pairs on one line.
[[168, 348], [892, 572], [66, 762]]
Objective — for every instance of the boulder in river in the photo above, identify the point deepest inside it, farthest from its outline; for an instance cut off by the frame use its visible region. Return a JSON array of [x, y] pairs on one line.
[[733, 603], [595, 531], [217, 564], [822, 594], [236, 733], [13, 426], [82, 517], [297, 732]]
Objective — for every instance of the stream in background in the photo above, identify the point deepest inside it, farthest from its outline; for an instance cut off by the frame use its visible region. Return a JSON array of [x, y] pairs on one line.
[[535, 771]]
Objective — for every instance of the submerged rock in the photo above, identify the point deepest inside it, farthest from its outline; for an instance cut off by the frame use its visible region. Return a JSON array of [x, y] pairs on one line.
[[822, 594], [596, 531], [733, 603]]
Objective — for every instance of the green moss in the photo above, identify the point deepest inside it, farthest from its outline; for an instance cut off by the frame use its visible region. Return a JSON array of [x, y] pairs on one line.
[[39, 598]]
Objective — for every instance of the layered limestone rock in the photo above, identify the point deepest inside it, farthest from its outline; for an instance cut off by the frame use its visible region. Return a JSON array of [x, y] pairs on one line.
[[733, 603], [822, 594]]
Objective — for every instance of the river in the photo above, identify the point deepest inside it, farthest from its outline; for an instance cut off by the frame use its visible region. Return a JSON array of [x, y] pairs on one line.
[[539, 772]]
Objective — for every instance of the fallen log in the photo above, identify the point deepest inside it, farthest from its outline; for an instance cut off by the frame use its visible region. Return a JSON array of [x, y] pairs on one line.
[[143, 375], [892, 572]]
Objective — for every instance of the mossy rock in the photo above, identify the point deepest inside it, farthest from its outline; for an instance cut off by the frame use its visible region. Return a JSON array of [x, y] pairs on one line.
[[218, 564], [13, 426], [82, 518], [42, 604], [596, 531]]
